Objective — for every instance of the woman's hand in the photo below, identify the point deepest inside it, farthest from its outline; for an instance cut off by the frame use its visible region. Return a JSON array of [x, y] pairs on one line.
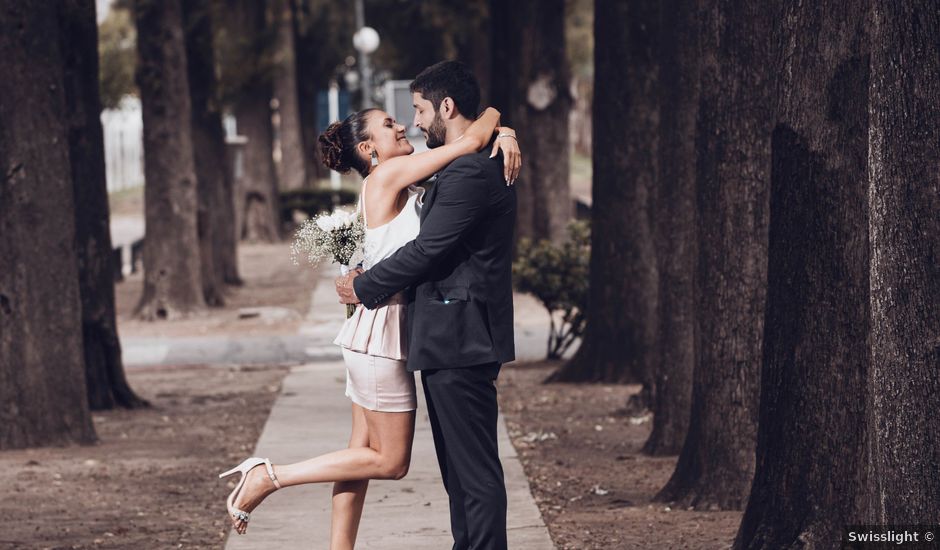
[[512, 156]]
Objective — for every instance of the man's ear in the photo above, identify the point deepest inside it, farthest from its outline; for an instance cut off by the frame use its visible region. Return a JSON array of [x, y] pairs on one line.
[[448, 109]]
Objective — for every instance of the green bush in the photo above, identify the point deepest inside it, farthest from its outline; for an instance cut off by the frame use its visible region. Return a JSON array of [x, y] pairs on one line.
[[558, 277], [313, 201]]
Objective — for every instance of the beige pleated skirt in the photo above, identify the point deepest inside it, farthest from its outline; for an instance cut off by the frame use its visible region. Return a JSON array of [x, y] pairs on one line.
[[375, 348]]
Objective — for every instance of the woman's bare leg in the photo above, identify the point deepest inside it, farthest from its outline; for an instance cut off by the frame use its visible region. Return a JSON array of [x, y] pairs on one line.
[[387, 457], [349, 496]]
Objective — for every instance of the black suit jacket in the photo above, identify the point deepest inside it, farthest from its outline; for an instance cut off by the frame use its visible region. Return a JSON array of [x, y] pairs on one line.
[[459, 269]]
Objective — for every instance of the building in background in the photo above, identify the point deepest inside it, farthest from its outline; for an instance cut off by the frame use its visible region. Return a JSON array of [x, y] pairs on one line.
[[123, 144]]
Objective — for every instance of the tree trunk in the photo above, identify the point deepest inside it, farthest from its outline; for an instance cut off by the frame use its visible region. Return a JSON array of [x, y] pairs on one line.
[[470, 49], [292, 173], [532, 65], [231, 226], [216, 206], [260, 214], [619, 340], [505, 43], [172, 273], [904, 199], [811, 436], [309, 83], [259, 201], [43, 399], [675, 226], [104, 370], [716, 464]]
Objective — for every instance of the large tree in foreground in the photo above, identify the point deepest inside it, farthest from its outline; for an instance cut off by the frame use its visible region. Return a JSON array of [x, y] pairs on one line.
[[107, 384], [811, 436], [716, 464], [674, 229], [172, 273], [675, 226], [619, 340], [904, 220], [43, 400]]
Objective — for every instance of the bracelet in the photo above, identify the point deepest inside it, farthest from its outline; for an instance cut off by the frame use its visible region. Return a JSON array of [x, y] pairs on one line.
[[507, 135]]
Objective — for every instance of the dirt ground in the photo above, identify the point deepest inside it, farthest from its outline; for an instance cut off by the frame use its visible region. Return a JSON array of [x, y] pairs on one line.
[[271, 281], [580, 451], [151, 480]]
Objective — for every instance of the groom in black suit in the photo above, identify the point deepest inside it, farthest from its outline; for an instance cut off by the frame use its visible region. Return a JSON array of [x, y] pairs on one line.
[[460, 313]]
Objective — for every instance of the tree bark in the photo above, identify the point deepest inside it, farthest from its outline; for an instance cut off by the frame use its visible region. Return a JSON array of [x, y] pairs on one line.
[[309, 82], [260, 214], [811, 436], [216, 214], [43, 398], [716, 464], [292, 169], [475, 53], [504, 52], [904, 200], [172, 272], [531, 67], [104, 369], [675, 226], [619, 340], [257, 188]]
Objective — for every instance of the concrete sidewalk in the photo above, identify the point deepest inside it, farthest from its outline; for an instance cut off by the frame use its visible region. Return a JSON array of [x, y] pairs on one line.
[[311, 416]]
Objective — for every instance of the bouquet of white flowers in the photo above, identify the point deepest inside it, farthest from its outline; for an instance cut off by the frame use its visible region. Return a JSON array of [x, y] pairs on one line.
[[338, 235]]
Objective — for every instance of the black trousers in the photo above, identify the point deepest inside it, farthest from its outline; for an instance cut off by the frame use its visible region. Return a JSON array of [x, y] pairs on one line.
[[463, 411]]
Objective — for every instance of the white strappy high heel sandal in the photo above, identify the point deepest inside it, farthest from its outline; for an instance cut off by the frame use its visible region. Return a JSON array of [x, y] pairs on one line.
[[244, 468]]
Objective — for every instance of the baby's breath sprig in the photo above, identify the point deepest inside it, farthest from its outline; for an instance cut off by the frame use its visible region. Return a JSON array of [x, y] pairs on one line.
[[337, 235]]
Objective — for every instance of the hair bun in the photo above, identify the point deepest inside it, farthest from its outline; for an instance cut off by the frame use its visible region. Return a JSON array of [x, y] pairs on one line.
[[331, 148]]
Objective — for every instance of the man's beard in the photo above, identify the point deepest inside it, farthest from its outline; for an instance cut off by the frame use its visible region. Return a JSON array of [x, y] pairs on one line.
[[436, 133]]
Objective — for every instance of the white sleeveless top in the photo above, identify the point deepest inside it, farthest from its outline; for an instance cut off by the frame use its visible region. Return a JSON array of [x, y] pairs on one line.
[[382, 241], [381, 331]]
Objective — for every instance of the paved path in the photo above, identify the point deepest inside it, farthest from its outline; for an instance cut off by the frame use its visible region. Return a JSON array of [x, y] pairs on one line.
[[312, 416]]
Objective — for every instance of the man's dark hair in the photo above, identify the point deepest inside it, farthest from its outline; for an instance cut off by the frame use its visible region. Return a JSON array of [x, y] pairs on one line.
[[450, 79]]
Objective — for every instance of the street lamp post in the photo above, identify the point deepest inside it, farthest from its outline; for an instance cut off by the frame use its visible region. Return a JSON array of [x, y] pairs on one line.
[[366, 41], [333, 104]]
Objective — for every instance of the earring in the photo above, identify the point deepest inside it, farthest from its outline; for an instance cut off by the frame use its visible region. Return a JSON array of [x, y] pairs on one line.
[[375, 158]]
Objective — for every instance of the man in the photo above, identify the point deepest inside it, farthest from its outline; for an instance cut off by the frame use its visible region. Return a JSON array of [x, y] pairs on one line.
[[460, 309]]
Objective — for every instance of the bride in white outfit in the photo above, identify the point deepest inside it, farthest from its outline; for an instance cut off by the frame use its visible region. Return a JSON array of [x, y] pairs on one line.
[[373, 341]]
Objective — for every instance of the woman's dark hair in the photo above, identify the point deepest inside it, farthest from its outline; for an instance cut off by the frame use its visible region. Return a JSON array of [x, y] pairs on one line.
[[338, 144], [450, 79]]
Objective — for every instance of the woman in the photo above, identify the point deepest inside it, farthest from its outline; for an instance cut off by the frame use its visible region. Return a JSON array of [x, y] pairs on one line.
[[373, 341]]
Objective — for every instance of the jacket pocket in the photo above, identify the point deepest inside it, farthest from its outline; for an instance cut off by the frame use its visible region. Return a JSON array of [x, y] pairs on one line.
[[448, 294], [454, 323]]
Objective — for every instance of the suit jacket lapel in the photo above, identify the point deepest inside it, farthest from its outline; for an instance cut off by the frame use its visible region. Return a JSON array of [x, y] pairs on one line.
[[429, 198]]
